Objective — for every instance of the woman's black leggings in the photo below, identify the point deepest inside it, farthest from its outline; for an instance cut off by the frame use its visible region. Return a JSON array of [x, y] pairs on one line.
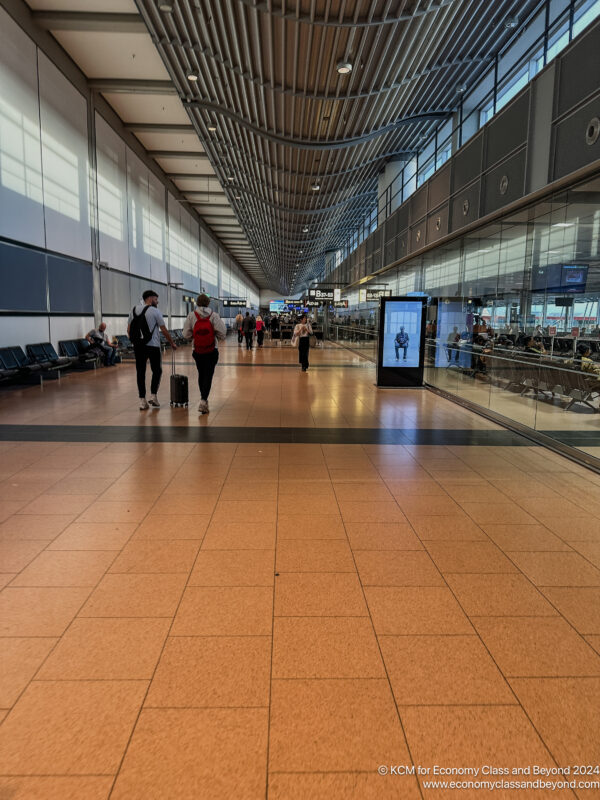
[[303, 347]]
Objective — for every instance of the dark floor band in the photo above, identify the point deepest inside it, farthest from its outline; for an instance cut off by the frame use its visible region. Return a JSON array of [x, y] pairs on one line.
[[194, 434]]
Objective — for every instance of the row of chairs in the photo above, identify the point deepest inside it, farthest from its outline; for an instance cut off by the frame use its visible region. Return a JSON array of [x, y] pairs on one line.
[[41, 361], [542, 377]]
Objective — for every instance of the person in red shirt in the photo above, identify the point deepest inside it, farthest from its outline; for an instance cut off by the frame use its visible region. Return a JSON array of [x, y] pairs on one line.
[[260, 330]]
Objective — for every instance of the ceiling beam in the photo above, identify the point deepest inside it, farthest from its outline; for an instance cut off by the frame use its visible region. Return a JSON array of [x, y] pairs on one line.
[[94, 22], [152, 127], [178, 154], [183, 176], [195, 202], [130, 86]]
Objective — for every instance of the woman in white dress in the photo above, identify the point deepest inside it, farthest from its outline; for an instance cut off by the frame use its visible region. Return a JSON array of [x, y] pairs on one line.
[[302, 332]]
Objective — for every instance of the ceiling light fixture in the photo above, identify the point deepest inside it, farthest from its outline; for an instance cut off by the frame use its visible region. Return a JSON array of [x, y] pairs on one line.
[[230, 177], [212, 128], [315, 187], [166, 7], [192, 76], [305, 229], [511, 22], [461, 88], [344, 68]]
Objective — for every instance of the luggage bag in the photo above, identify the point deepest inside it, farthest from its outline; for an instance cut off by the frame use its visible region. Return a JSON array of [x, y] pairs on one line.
[[179, 387]]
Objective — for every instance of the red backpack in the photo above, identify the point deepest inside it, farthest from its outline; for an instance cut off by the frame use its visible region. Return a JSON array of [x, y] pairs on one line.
[[204, 334]]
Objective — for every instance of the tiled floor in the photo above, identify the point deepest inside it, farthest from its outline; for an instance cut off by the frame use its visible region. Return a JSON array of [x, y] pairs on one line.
[[249, 620]]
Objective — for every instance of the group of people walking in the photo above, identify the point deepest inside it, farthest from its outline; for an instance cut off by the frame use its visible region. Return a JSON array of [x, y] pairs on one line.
[[247, 326], [205, 328]]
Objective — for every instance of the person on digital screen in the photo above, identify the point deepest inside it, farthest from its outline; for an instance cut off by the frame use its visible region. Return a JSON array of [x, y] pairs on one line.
[[401, 341]]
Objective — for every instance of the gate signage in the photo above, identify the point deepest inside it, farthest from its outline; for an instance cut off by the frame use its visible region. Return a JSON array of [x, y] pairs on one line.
[[321, 294]]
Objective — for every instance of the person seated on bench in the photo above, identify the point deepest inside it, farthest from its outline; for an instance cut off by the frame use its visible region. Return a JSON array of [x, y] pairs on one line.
[[98, 338], [583, 361], [532, 347]]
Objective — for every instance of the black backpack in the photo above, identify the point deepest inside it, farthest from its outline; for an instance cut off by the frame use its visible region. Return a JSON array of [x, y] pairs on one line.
[[139, 330]]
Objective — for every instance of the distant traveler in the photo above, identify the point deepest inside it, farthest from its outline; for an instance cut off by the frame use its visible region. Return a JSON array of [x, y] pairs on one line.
[[260, 330], [452, 344], [401, 341], [532, 348], [248, 326], [204, 327], [98, 338], [302, 332], [583, 361], [144, 328], [238, 326]]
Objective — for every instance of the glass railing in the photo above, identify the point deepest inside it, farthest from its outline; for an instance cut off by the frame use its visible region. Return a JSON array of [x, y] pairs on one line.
[[557, 396], [360, 338]]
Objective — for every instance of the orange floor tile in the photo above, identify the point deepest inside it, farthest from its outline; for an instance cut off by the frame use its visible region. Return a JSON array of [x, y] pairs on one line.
[[291, 620]]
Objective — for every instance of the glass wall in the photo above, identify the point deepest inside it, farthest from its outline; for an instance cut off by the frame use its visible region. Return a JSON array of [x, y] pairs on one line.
[[514, 315], [540, 38]]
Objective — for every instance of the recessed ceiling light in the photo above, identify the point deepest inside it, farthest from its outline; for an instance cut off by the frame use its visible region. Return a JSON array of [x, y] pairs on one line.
[[305, 229], [344, 68], [315, 187], [212, 128], [192, 76], [238, 197], [461, 88], [166, 7], [230, 177]]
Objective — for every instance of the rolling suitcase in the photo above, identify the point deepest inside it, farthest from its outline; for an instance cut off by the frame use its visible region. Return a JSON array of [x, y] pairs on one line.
[[179, 387]]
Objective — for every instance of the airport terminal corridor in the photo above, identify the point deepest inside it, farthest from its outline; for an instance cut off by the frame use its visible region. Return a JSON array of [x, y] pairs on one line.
[[298, 595]]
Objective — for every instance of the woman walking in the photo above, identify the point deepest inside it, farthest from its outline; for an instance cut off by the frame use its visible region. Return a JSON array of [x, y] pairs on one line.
[[260, 330], [302, 332]]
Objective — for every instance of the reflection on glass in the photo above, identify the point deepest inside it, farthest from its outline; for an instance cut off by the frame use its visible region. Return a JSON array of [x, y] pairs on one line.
[[513, 322]]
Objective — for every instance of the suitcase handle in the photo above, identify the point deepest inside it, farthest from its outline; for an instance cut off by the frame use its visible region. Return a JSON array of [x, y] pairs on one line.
[[172, 362]]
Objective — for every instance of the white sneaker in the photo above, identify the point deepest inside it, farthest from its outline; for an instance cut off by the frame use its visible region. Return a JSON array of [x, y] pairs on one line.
[[154, 401], [203, 407], [143, 404]]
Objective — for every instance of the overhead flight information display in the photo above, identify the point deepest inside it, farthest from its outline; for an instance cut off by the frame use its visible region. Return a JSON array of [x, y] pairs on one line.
[[401, 341]]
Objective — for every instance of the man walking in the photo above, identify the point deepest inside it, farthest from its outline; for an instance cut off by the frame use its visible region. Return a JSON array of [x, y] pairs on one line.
[[144, 328], [204, 327], [248, 326], [401, 341], [98, 338]]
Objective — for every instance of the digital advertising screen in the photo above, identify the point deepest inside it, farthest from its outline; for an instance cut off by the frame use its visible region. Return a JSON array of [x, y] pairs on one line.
[[276, 306], [574, 278], [401, 341], [567, 278]]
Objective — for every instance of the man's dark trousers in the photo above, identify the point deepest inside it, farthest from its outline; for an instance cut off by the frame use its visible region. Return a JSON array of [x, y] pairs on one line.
[[143, 352]]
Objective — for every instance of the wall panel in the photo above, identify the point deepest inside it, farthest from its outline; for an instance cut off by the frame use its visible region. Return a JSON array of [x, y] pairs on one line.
[[138, 202], [23, 330], [70, 286], [23, 277], [21, 200], [63, 113], [112, 196], [72, 328]]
